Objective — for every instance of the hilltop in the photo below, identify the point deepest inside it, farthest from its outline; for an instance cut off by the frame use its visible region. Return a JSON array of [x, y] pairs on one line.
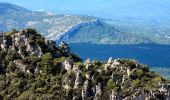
[[33, 67]]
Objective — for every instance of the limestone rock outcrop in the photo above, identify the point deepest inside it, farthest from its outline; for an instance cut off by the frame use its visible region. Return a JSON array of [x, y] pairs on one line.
[[33, 67]]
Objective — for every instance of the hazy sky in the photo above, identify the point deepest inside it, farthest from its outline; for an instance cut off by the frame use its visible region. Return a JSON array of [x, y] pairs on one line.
[[101, 8]]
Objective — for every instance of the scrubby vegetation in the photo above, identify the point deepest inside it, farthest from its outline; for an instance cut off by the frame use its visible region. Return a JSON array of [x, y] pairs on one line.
[[38, 69]]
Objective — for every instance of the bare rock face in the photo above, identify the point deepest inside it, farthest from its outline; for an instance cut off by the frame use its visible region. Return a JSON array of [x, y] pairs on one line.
[[79, 80], [113, 64], [88, 64], [38, 69], [6, 43], [22, 39], [108, 64], [125, 77], [128, 71], [66, 82], [68, 64], [165, 90], [64, 47], [85, 93], [20, 42], [98, 91], [20, 65], [88, 75], [3, 47], [75, 69], [50, 44], [34, 50]]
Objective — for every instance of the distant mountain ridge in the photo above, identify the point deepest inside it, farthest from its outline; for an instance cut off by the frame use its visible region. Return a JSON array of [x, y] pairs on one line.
[[52, 26], [84, 29], [8, 8], [103, 8]]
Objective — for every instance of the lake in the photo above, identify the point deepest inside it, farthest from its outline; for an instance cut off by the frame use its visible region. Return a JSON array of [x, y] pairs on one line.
[[153, 55]]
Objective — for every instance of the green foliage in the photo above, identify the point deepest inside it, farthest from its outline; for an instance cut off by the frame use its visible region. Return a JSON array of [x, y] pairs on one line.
[[76, 58], [11, 67], [25, 95], [47, 63], [111, 85], [130, 63], [153, 83], [136, 83], [11, 56], [11, 32], [31, 77], [79, 65], [139, 73], [31, 31]]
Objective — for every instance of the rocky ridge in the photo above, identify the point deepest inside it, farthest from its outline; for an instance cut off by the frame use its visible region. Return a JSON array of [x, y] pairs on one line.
[[33, 67]]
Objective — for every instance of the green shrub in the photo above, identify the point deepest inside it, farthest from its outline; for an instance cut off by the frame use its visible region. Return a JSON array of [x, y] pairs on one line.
[[111, 84], [25, 95], [135, 83], [139, 73], [11, 67]]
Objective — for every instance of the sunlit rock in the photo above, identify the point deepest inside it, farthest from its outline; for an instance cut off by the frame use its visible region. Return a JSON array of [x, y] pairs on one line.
[[68, 64], [88, 64], [79, 80]]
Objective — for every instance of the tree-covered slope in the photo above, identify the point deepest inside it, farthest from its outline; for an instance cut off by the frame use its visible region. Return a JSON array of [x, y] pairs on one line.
[[32, 67], [50, 25], [101, 32]]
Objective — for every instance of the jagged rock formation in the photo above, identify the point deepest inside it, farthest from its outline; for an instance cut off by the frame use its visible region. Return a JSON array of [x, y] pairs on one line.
[[32, 67]]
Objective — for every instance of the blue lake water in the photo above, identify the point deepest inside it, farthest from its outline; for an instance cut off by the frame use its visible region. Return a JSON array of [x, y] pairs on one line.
[[157, 57], [150, 54]]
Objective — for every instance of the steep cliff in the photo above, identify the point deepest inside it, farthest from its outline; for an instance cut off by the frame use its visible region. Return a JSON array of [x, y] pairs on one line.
[[32, 67]]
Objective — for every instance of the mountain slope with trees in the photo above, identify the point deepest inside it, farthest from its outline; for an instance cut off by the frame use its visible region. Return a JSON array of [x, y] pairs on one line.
[[33, 67]]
